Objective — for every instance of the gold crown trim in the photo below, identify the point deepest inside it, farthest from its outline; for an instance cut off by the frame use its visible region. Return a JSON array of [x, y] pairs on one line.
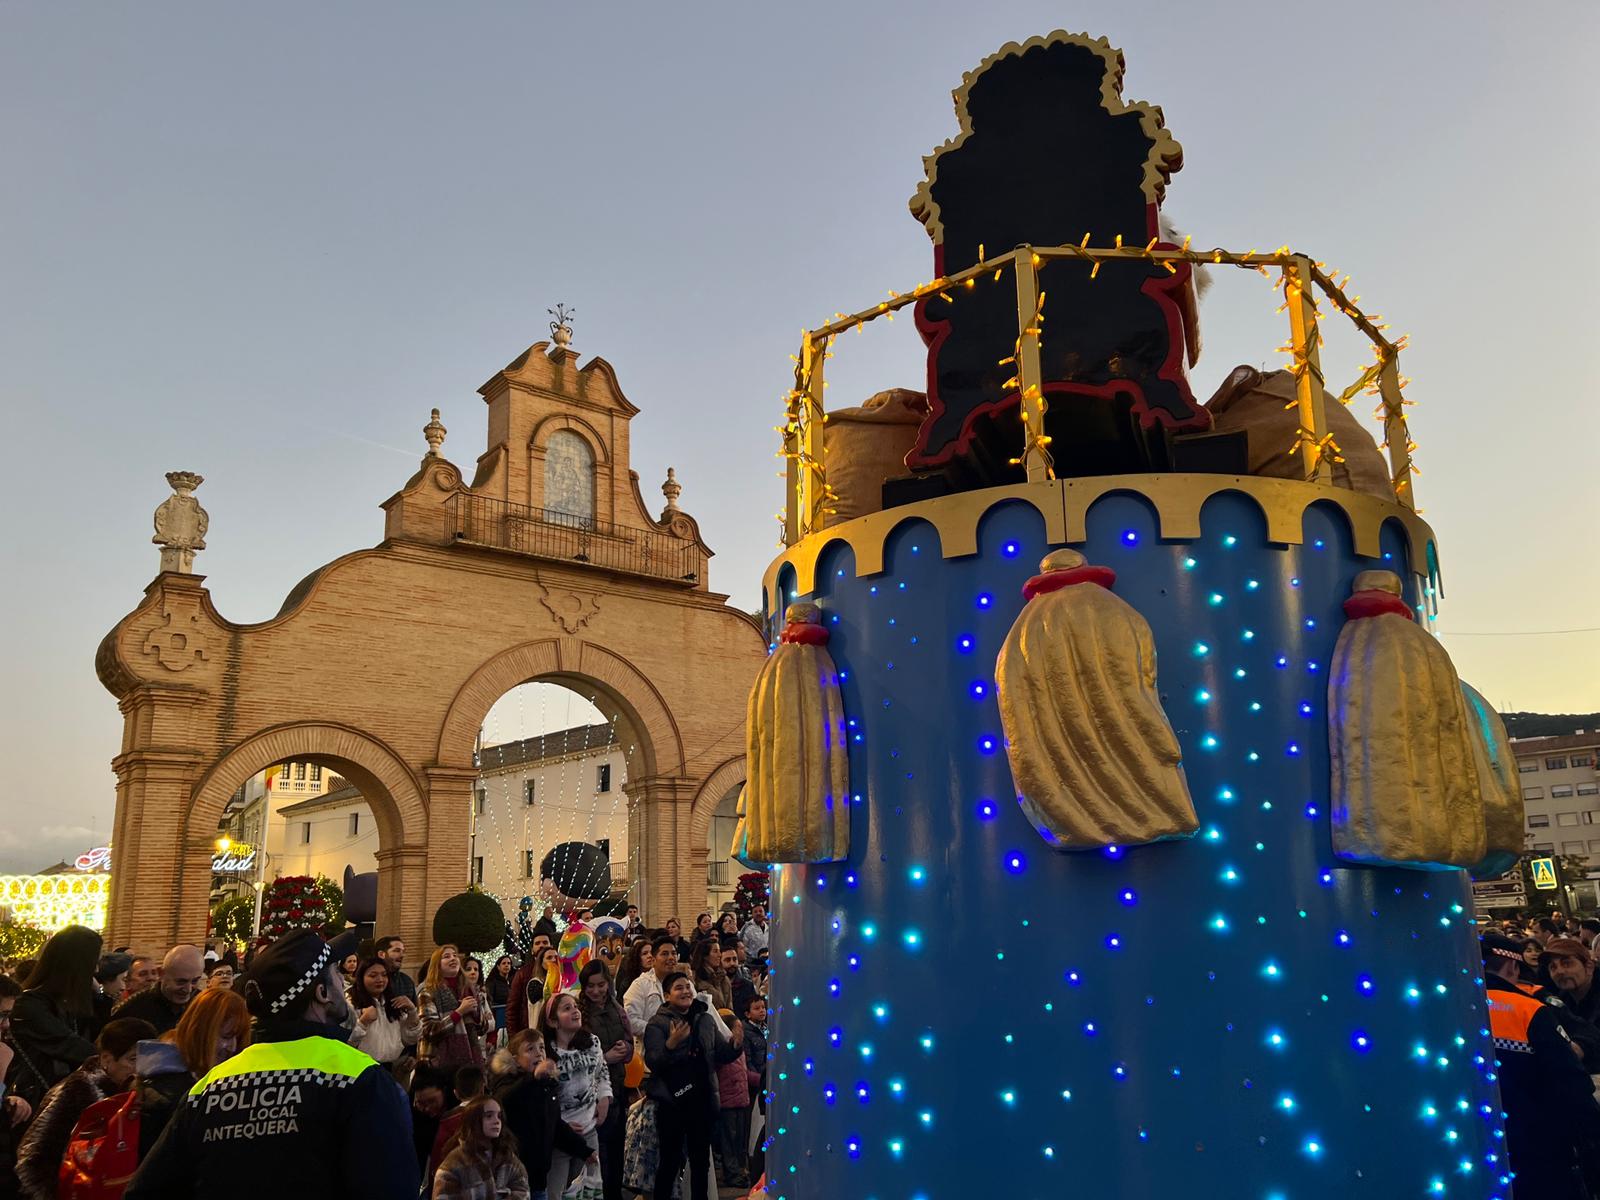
[[1064, 505]]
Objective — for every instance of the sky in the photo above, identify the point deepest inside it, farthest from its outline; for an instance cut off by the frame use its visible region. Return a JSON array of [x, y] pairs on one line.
[[260, 242]]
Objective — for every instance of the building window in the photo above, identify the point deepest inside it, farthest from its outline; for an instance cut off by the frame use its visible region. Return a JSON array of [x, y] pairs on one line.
[[1561, 791], [1572, 848], [1544, 848], [605, 847], [1555, 764], [299, 772], [603, 778], [1526, 766], [528, 865], [1538, 820], [1566, 819], [569, 477], [1533, 793], [305, 833], [479, 799], [529, 786], [316, 773], [1581, 760], [1588, 789], [355, 824], [477, 869]]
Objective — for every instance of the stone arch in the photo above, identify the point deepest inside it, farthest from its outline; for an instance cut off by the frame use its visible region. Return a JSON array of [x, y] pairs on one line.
[[567, 661], [385, 782], [717, 785]]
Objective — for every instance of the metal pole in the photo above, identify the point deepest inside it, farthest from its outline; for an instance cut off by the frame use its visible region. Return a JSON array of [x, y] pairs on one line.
[[1303, 341], [1030, 376]]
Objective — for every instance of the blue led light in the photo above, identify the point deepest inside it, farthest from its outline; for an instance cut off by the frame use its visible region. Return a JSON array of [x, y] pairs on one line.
[[1230, 541], [1276, 1040], [1214, 599], [979, 689], [1190, 564], [987, 744], [964, 644], [1113, 942], [1252, 584], [1016, 862], [1286, 1102], [1313, 1148], [1011, 549], [850, 879], [985, 599], [869, 931], [912, 938], [917, 874], [1129, 897], [1008, 1097], [986, 810], [1209, 741], [1130, 537], [1201, 649], [1202, 696], [1360, 1041]]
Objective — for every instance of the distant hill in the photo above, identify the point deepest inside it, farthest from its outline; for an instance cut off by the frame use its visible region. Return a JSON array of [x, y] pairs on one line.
[[1526, 725]]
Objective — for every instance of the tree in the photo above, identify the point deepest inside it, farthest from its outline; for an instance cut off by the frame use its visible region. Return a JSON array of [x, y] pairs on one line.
[[234, 918], [755, 888], [471, 921], [18, 940], [333, 900], [292, 902]]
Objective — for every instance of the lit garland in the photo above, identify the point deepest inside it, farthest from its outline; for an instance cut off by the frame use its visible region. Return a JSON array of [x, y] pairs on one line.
[[51, 902], [803, 402]]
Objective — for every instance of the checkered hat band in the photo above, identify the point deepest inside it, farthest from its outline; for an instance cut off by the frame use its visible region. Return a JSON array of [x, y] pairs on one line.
[[1503, 953], [313, 973]]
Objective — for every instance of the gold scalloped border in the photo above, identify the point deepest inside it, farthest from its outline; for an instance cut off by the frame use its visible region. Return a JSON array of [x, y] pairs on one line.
[[1064, 505], [1166, 153]]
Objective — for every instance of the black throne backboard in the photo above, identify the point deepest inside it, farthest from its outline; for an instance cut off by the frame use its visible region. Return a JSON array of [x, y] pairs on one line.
[[1048, 152]]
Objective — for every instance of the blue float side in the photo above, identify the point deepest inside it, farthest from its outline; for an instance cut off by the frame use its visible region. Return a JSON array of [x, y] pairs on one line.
[[962, 1011]]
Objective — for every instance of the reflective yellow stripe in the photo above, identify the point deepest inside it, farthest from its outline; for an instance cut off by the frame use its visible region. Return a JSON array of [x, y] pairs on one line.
[[320, 1054]]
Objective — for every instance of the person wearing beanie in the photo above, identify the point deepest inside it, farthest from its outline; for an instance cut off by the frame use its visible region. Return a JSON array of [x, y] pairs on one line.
[[298, 1112], [1571, 966], [1546, 1093]]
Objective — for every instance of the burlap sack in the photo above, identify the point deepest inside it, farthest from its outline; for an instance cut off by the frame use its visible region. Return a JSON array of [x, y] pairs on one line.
[[866, 446], [1263, 407]]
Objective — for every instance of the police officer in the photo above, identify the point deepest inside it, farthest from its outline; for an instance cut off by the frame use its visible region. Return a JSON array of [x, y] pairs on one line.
[[1548, 1096], [297, 1113]]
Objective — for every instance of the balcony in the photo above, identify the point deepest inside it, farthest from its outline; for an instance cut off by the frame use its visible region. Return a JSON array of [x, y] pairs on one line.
[[545, 533]]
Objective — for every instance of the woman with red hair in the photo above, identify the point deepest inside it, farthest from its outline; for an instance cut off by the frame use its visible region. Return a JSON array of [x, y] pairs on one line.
[[215, 1026]]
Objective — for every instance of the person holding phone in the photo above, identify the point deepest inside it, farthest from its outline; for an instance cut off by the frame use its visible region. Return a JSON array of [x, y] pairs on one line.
[[452, 1013], [386, 1022], [684, 1047]]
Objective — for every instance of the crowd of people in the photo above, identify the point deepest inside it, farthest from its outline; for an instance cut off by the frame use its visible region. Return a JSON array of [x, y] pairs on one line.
[[315, 1067], [310, 1067]]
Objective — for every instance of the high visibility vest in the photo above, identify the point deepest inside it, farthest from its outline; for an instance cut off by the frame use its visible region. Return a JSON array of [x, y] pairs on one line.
[[316, 1060], [1510, 1014]]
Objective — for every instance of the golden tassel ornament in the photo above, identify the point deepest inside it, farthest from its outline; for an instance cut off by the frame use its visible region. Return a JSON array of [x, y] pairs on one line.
[[1404, 776], [1093, 757], [1498, 787], [796, 798]]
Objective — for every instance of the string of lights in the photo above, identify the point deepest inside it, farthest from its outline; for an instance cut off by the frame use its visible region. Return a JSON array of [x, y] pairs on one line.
[[809, 494]]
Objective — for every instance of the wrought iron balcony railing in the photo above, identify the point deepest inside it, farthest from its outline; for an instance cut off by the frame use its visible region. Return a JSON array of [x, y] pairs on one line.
[[546, 533]]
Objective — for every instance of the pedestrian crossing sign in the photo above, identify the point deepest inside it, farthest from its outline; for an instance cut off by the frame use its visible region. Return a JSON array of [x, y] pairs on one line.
[[1544, 874]]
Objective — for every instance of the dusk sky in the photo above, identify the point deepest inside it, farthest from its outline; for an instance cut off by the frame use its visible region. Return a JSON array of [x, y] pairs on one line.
[[261, 241]]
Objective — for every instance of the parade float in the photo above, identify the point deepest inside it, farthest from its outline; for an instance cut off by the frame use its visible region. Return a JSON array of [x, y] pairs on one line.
[[1120, 804]]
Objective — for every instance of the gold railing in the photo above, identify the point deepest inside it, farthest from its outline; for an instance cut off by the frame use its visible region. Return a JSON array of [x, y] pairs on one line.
[[806, 485]]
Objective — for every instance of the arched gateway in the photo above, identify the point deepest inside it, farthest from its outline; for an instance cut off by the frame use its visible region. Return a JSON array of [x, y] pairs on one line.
[[382, 665]]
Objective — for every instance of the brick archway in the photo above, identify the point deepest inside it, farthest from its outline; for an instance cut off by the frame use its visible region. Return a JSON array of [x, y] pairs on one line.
[[383, 664], [385, 782], [577, 664]]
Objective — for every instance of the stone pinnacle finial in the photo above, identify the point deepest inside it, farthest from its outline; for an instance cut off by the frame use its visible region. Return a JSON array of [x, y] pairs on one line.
[[671, 489], [434, 432], [181, 523]]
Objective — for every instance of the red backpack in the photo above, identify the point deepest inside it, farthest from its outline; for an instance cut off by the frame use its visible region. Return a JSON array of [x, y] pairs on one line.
[[103, 1152]]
